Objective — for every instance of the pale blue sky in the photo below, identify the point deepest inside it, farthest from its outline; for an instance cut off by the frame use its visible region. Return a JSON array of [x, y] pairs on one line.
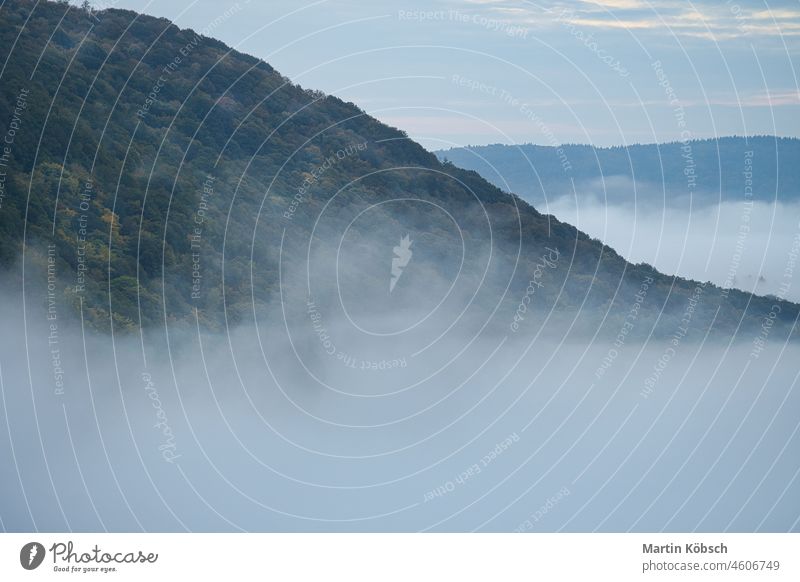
[[486, 71]]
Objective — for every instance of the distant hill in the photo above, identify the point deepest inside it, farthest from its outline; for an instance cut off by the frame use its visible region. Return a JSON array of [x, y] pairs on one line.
[[710, 170], [156, 175]]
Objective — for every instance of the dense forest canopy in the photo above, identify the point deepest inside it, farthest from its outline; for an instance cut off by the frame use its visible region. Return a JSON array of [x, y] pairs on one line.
[[156, 175]]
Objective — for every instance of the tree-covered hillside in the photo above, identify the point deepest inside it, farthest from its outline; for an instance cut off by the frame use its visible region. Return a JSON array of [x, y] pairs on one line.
[[155, 173], [709, 170]]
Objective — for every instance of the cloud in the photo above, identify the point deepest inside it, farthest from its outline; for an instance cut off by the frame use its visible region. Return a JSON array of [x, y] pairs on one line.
[[620, 4], [710, 21], [781, 14], [761, 99]]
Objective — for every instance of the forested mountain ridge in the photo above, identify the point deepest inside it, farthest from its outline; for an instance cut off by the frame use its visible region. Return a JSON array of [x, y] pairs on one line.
[[708, 170], [156, 174]]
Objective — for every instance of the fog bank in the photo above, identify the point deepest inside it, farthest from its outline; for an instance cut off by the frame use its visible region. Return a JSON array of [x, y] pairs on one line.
[[251, 431], [734, 245]]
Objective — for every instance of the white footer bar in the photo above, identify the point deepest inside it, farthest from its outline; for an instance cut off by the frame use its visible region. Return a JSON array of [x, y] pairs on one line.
[[401, 557]]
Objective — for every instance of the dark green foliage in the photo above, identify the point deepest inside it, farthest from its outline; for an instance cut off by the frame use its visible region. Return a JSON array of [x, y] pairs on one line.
[[224, 114]]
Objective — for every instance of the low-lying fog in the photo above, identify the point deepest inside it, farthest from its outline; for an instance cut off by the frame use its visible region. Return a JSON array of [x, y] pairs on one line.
[[340, 430], [732, 244]]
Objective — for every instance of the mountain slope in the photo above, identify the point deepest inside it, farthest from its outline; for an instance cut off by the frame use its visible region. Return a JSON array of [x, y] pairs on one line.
[[157, 176], [709, 170]]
